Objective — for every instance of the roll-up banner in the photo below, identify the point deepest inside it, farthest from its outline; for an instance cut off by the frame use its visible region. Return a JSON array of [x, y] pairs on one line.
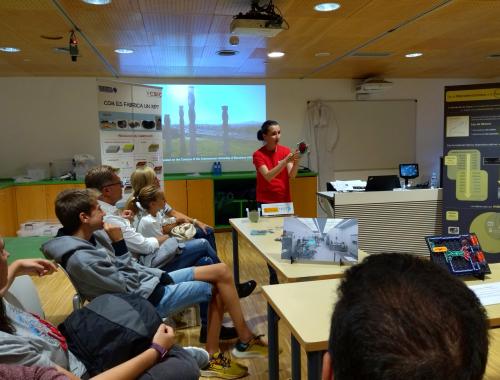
[[471, 177], [131, 128]]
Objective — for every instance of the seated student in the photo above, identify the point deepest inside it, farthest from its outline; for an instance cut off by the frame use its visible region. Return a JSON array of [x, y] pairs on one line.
[[27, 340], [400, 317], [105, 179], [145, 176], [152, 200], [97, 271]]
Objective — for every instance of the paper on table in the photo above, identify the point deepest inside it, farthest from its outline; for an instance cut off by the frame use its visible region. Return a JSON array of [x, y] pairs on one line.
[[488, 294]]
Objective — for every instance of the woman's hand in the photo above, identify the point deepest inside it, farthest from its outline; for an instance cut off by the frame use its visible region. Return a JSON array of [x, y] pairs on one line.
[[165, 336], [33, 267]]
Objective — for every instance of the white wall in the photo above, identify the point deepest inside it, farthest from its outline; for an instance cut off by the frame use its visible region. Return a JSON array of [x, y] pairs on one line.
[[45, 119]]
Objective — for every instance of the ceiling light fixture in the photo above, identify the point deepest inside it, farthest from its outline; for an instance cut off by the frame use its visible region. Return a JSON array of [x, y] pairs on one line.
[[97, 2], [124, 51], [326, 7], [275, 54], [9, 49], [413, 55]]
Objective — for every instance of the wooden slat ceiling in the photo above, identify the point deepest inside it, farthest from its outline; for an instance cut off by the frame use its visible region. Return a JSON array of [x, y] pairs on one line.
[[180, 38]]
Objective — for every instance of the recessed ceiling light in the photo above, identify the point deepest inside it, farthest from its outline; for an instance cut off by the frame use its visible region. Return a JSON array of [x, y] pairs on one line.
[[10, 49], [275, 54], [124, 51], [413, 55], [322, 54], [326, 7], [97, 2]]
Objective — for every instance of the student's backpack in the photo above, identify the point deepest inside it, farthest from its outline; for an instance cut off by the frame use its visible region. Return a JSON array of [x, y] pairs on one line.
[[109, 330]]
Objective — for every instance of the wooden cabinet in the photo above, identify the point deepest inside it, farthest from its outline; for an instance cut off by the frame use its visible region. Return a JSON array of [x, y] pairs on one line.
[[51, 192], [200, 200], [304, 197], [31, 203], [35, 202], [8, 212], [176, 195]]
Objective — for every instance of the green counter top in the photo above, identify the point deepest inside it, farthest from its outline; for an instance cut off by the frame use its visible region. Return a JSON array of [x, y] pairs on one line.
[[7, 182]]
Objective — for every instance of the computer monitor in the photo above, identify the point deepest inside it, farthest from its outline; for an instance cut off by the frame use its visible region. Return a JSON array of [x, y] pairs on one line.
[[408, 171]]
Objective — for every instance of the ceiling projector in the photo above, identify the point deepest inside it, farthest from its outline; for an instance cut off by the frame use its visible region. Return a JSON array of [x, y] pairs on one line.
[[373, 86], [260, 20], [255, 27]]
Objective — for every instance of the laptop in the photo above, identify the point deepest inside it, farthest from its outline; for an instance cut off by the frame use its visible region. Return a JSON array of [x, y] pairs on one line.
[[382, 183]]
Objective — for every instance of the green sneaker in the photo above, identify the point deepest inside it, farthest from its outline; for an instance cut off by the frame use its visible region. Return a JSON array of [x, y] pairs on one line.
[[255, 348], [222, 367]]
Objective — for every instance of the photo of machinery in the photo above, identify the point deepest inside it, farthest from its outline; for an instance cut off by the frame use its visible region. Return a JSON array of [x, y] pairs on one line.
[[320, 240]]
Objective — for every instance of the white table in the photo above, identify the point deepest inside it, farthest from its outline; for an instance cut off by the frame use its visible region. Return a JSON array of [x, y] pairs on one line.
[[296, 303]]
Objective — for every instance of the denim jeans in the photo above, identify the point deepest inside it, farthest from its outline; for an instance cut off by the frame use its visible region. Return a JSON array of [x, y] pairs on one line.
[[210, 236], [196, 253], [184, 292]]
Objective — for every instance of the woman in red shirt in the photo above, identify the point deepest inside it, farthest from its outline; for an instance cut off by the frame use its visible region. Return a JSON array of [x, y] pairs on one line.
[[275, 165]]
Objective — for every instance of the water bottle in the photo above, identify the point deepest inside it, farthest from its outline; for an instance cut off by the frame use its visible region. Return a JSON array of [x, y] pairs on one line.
[[214, 168], [433, 180], [219, 168]]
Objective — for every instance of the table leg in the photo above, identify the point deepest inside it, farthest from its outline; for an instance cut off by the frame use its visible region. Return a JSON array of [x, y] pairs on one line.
[[236, 260], [295, 358], [314, 363], [272, 332]]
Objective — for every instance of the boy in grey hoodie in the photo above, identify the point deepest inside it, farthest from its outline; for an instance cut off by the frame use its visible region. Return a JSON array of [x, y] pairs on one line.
[[97, 269]]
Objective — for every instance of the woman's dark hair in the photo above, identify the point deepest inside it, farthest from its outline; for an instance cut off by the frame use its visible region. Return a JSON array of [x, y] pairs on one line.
[[5, 322], [264, 128]]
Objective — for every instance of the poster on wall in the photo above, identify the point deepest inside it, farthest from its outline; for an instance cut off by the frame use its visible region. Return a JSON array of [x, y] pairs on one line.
[[130, 128], [471, 177]]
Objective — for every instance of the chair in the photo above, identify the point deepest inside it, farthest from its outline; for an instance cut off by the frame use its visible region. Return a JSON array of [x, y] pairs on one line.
[[23, 294], [78, 299]]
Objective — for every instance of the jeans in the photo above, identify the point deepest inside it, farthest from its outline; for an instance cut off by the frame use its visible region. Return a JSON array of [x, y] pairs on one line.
[[196, 253], [184, 292], [209, 236]]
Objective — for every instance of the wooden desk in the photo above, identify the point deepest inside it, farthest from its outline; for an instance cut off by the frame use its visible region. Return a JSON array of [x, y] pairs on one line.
[[306, 308], [270, 250]]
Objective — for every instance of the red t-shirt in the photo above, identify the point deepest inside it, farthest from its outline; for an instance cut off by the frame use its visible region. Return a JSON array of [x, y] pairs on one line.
[[278, 190]]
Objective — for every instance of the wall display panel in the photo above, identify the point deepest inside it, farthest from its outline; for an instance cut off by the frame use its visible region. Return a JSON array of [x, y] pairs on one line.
[[471, 177]]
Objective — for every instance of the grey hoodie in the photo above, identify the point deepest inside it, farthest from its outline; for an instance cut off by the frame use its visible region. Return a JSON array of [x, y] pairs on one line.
[[95, 270]]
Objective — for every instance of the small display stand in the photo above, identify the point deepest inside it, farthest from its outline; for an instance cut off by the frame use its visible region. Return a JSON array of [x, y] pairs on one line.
[[460, 254]]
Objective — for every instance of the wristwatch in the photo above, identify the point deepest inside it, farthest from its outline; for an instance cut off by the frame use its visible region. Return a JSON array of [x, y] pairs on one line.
[[161, 350]]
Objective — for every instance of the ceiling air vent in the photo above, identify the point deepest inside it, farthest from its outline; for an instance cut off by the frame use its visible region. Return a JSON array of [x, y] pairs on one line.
[[227, 52], [371, 54]]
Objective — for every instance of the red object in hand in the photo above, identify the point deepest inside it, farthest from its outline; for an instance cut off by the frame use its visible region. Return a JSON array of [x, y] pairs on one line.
[[303, 147]]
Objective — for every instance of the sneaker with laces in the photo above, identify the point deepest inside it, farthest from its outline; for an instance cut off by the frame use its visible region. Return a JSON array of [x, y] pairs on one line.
[[222, 367], [255, 348], [200, 355]]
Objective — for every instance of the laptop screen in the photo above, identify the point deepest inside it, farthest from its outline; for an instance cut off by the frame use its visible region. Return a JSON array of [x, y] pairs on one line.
[[382, 183]]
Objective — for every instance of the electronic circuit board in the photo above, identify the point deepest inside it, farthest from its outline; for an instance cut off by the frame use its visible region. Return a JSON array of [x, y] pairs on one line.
[[460, 254]]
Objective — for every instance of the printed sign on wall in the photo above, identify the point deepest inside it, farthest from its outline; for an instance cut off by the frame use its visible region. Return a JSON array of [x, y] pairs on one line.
[[471, 178], [131, 128]]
